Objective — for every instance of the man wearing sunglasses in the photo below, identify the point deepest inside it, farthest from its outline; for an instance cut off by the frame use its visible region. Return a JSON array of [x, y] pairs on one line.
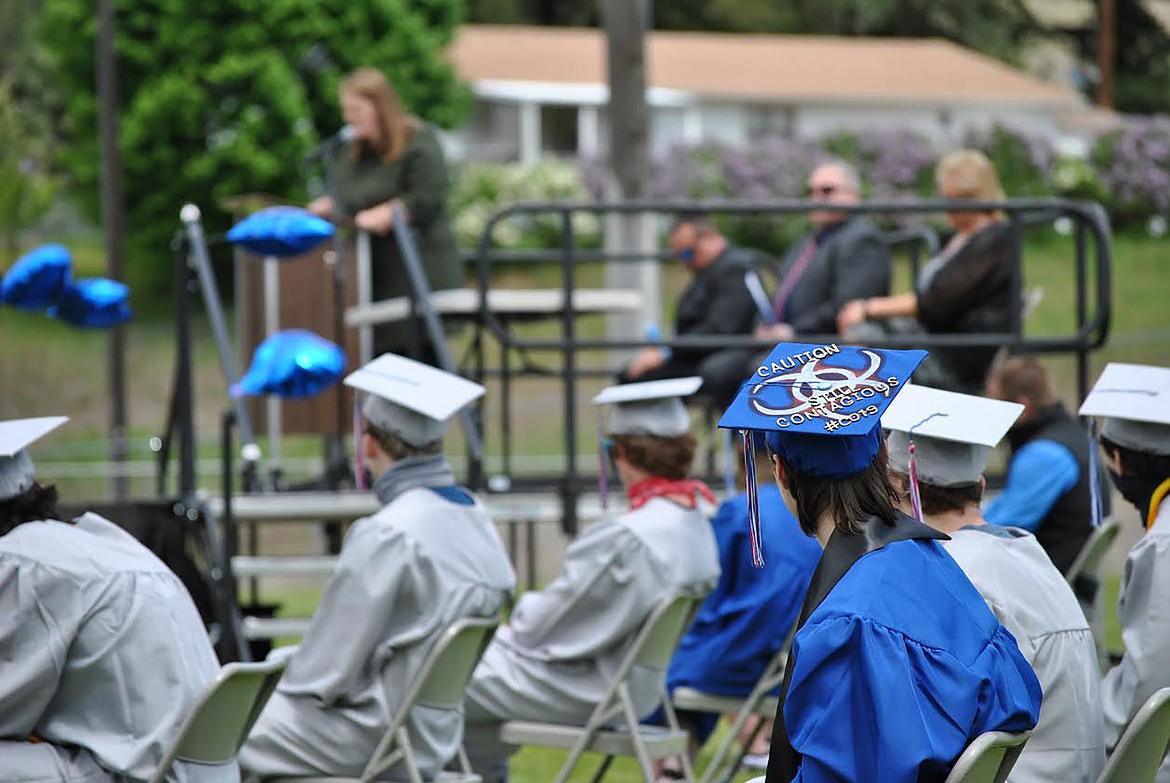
[[843, 258]]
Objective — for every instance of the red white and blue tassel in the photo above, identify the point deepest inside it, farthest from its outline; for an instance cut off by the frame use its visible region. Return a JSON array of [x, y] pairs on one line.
[[915, 495], [755, 533]]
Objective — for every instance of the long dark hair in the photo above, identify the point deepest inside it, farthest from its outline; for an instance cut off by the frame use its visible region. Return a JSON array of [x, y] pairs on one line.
[[35, 503], [849, 501]]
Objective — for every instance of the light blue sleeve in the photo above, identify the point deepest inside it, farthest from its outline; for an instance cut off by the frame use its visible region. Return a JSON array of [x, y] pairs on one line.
[[1040, 472]]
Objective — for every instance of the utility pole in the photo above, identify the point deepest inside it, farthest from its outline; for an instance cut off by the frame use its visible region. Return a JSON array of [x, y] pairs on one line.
[[625, 25], [112, 222], [1106, 50]]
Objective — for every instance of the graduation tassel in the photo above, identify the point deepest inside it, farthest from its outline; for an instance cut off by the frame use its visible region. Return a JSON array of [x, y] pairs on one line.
[[359, 465], [755, 533], [915, 497], [1094, 476], [729, 463], [602, 472]]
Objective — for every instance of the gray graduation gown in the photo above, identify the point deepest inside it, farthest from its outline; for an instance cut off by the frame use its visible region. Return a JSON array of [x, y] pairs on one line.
[[102, 656], [559, 652], [404, 575], [1143, 609], [1035, 603]]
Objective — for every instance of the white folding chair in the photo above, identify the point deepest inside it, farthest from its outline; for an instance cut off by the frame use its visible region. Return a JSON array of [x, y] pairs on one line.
[[1096, 546], [441, 682], [652, 648], [989, 758], [1143, 744], [758, 702], [221, 719]]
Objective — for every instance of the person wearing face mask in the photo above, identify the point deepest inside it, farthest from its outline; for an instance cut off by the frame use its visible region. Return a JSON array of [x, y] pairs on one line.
[[716, 302], [393, 159], [1134, 402], [965, 289]]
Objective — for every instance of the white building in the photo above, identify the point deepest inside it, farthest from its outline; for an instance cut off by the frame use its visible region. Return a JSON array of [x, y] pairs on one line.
[[542, 90]]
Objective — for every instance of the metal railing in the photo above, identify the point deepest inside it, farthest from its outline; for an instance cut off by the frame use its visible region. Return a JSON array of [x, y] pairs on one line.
[[1091, 267]]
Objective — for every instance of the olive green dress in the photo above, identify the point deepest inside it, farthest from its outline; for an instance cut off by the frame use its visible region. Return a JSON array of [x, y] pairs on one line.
[[419, 178]]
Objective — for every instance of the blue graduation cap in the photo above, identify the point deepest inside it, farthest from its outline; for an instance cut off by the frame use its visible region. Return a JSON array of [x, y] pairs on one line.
[[294, 363], [282, 231], [93, 302], [38, 278], [820, 408]]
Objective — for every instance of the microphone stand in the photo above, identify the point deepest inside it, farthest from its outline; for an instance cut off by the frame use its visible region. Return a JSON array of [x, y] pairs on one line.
[[338, 471]]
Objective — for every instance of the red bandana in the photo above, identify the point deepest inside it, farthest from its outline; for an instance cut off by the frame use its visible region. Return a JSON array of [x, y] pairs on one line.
[[655, 486]]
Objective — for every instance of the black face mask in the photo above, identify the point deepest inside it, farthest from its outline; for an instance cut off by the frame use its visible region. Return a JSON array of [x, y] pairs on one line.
[[1138, 490]]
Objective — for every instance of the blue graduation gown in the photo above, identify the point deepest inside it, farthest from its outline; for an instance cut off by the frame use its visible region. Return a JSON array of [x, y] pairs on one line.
[[898, 666], [748, 615]]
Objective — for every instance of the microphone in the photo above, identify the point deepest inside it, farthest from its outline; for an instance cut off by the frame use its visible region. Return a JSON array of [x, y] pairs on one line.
[[347, 133]]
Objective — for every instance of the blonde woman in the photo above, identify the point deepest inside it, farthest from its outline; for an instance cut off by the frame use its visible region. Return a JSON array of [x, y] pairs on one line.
[[394, 158], [965, 289]]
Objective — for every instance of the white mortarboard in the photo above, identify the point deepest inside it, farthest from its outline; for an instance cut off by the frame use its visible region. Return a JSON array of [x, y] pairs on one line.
[[951, 432], [16, 468], [410, 399], [649, 408], [1134, 400]]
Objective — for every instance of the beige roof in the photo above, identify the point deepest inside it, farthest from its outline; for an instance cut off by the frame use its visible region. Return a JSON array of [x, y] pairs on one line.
[[758, 67]]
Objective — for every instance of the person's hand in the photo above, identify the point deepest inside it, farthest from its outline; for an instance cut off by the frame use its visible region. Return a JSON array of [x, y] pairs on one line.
[[376, 220], [775, 332], [646, 360], [321, 206], [852, 313]]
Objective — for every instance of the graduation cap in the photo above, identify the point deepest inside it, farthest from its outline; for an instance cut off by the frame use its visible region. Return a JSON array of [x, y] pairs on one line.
[[1134, 401], [409, 399], [941, 438], [820, 408], [647, 408], [16, 467]]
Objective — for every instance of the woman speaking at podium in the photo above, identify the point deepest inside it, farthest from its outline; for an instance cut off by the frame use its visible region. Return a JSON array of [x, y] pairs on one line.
[[393, 158]]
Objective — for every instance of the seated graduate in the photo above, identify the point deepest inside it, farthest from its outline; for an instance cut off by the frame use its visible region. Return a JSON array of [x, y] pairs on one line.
[[429, 557], [1135, 437], [951, 434], [748, 616], [1047, 490], [103, 652], [897, 663], [555, 659]]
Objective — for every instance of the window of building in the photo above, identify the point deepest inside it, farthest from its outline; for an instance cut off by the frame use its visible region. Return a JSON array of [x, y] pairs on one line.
[[763, 121], [558, 130]]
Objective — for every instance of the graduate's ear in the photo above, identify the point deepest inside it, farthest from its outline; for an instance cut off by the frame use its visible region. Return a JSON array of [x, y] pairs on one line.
[[370, 448], [982, 485], [778, 469]]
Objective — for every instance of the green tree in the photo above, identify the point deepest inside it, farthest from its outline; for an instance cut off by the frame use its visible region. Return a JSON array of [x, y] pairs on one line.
[[1141, 59], [219, 99], [26, 188]]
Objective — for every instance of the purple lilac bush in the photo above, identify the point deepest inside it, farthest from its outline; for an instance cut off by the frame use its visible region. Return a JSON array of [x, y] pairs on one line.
[[1133, 165]]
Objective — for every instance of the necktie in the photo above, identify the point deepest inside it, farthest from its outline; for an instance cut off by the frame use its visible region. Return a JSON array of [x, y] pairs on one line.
[[784, 293]]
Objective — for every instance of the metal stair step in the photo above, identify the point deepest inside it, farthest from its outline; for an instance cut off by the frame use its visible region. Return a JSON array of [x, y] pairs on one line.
[[274, 627], [245, 566]]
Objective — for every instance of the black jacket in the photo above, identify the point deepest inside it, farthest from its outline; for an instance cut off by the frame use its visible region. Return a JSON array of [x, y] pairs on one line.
[[1066, 527], [852, 262], [972, 294], [716, 302]]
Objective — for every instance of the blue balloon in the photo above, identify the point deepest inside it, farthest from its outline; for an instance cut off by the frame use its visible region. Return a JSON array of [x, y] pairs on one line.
[[281, 231], [38, 278], [94, 303], [294, 363]]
